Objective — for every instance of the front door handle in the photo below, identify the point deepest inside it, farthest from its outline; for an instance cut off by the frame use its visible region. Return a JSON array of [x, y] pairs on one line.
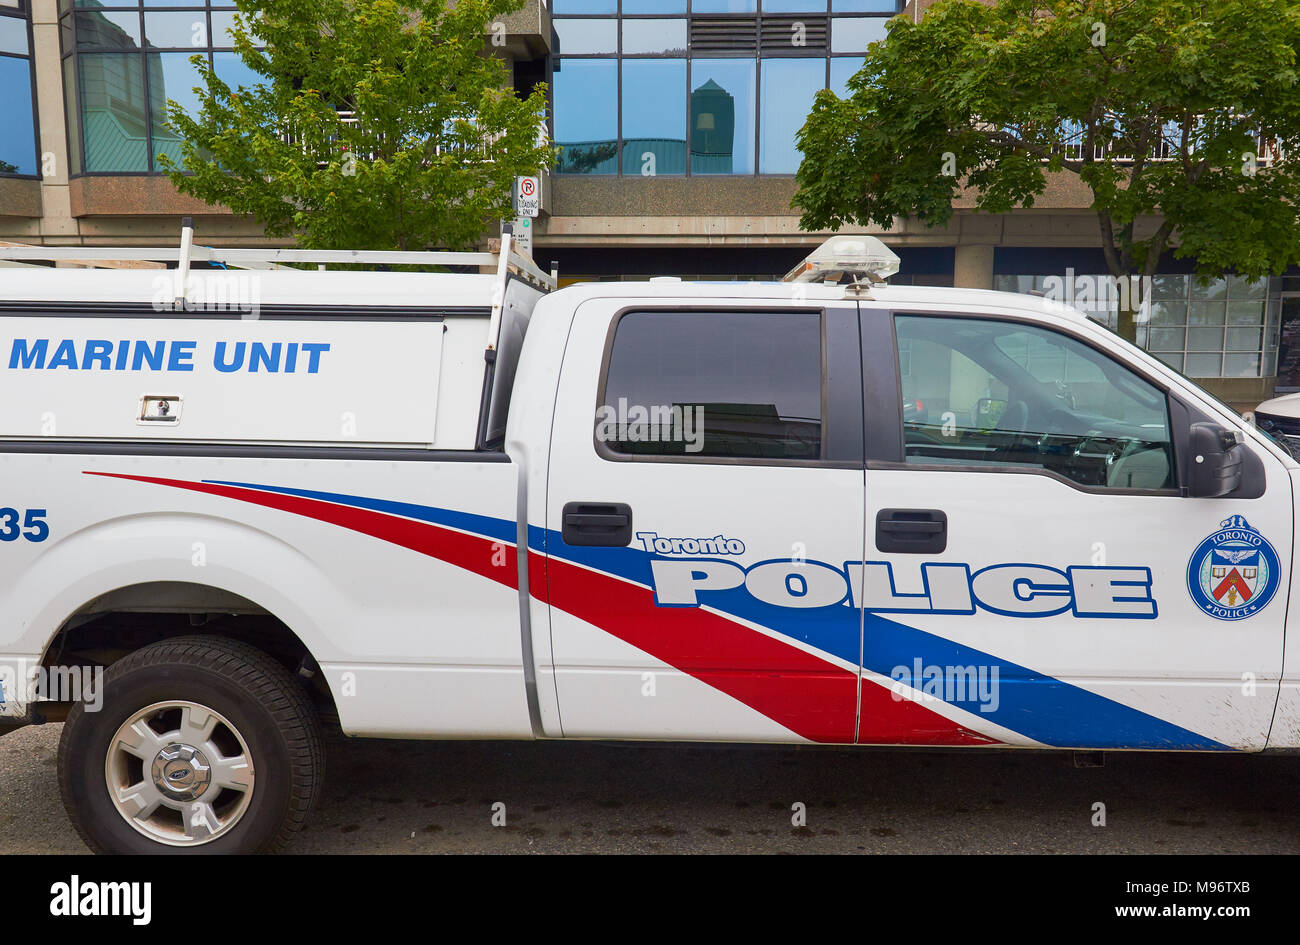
[[596, 523], [911, 531]]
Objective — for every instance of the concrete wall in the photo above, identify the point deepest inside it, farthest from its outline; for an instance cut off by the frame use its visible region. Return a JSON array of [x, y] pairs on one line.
[[1241, 393]]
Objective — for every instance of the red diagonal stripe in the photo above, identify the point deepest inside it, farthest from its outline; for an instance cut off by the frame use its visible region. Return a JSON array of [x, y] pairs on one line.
[[471, 552], [808, 695]]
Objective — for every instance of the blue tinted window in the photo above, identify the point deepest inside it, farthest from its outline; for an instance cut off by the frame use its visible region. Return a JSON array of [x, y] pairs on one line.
[[722, 116], [736, 122], [654, 37], [231, 70], [586, 116], [864, 6], [13, 35], [724, 6], [122, 99], [171, 77], [108, 30], [654, 6], [654, 116], [18, 142], [841, 71], [584, 6], [794, 6], [113, 112], [853, 34], [184, 30], [584, 37], [788, 89], [223, 24]]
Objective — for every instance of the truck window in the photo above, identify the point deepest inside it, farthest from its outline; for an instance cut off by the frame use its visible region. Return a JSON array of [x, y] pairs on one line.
[[984, 392], [714, 384]]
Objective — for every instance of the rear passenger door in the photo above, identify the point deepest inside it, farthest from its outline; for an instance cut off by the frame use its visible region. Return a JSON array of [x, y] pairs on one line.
[[1036, 569], [705, 493]]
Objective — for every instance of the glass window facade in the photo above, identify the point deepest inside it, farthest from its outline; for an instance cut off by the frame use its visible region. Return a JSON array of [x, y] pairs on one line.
[[787, 98], [699, 87], [1228, 327], [18, 155], [123, 61], [586, 117], [651, 145], [722, 116]]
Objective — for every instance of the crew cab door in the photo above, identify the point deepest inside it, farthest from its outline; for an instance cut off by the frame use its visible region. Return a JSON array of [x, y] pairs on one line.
[[705, 491], [1059, 586]]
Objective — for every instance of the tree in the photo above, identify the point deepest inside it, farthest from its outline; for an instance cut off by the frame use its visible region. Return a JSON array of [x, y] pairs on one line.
[[379, 124], [1161, 107]]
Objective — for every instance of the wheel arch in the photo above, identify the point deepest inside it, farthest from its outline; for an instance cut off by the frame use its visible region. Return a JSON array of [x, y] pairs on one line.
[[120, 621], [171, 563]]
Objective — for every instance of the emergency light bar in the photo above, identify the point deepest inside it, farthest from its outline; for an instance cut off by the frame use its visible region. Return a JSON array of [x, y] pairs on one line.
[[852, 256]]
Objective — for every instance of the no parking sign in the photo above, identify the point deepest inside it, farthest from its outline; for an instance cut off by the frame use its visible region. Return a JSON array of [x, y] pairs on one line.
[[528, 196]]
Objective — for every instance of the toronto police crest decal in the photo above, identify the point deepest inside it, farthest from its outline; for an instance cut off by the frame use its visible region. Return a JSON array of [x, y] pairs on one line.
[[1233, 573]]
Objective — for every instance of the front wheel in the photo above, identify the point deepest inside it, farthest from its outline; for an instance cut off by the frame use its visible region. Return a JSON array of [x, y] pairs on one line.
[[201, 745]]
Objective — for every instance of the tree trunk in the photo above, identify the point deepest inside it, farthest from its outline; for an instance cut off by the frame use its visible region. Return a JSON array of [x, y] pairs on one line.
[[1127, 322]]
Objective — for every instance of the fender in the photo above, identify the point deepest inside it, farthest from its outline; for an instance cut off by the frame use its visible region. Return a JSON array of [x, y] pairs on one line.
[[159, 547]]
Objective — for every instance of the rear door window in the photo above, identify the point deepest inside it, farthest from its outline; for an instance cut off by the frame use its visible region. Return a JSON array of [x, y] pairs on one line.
[[738, 385]]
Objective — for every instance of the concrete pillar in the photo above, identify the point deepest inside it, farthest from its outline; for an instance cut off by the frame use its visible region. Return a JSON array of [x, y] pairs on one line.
[[51, 122], [973, 267]]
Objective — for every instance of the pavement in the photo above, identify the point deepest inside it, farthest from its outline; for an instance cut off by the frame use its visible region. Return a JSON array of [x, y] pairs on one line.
[[586, 797]]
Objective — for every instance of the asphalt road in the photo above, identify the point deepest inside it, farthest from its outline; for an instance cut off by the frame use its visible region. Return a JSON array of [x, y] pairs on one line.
[[427, 797]]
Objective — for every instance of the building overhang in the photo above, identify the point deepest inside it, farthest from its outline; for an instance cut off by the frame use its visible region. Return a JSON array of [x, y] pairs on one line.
[[20, 197], [527, 32]]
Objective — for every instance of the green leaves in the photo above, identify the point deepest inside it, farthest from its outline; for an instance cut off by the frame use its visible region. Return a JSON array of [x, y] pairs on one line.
[[377, 124], [1157, 105]]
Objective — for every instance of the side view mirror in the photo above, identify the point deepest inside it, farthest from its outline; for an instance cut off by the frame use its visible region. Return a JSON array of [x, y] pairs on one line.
[[1216, 461]]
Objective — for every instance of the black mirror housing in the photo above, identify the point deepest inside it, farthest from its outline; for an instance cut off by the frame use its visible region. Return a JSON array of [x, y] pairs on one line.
[[1216, 461]]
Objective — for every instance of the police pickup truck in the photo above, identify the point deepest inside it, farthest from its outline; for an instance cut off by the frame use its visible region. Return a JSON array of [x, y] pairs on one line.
[[242, 504]]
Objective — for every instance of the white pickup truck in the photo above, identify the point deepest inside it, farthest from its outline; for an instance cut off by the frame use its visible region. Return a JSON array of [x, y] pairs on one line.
[[814, 511]]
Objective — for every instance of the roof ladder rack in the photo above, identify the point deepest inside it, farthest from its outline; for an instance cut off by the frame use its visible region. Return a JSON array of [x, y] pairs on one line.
[[270, 258]]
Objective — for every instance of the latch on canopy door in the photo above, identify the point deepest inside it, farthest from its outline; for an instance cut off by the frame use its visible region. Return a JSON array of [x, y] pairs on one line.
[[159, 408]]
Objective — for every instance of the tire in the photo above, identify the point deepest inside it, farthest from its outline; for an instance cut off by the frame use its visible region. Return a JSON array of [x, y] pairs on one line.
[[201, 745]]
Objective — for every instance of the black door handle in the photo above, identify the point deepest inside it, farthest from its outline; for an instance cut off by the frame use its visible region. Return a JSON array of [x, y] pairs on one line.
[[596, 523], [911, 531], [911, 528]]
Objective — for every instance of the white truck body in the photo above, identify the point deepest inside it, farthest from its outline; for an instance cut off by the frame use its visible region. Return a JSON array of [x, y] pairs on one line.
[[1095, 598]]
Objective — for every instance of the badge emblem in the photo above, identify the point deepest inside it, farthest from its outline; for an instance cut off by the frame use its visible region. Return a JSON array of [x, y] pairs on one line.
[[1233, 573]]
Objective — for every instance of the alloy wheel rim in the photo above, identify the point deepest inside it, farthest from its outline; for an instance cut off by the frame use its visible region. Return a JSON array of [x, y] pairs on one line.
[[179, 773]]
